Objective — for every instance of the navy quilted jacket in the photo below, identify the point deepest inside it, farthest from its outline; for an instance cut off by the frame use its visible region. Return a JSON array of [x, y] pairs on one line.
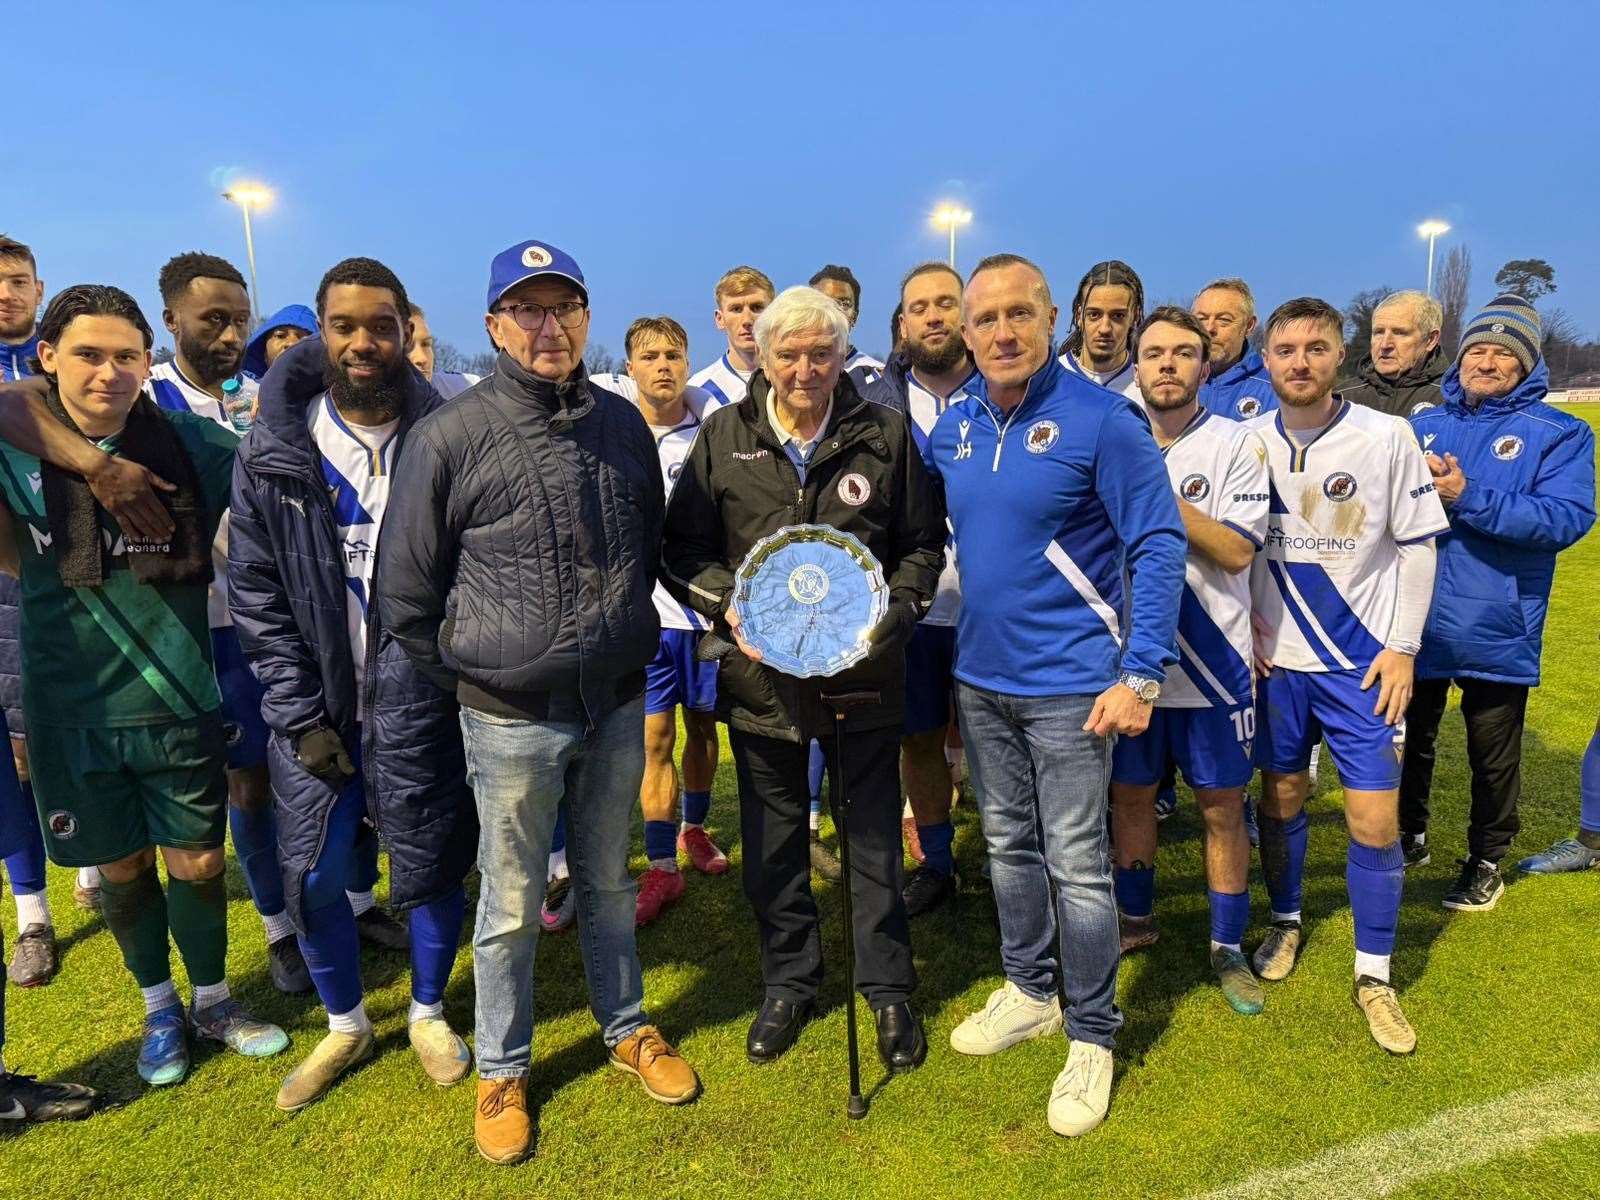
[[521, 557], [286, 587]]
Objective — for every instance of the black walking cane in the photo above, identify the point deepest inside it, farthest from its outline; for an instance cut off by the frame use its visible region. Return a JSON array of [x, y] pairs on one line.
[[841, 703]]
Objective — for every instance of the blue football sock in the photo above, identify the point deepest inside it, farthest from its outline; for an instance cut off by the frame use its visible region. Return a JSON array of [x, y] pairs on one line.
[[1283, 859], [816, 767], [1230, 914], [1375, 879], [1136, 890], [1589, 774], [25, 868], [332, 950], [558, 839], [435, 935], [695, 807], [936, 841], [660, 841], [255, 845]]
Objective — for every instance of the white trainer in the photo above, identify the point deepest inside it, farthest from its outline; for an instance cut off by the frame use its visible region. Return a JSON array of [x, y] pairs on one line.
[[1010, 1016], [1082, 1092]]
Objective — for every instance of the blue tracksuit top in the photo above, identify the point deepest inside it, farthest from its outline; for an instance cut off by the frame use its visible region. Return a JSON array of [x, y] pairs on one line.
[[1530, 494], [1242, 391], [14, 359], [1059, 510]]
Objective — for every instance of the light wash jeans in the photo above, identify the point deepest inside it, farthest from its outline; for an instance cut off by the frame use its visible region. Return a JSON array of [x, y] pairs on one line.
[[1041, 784], [521, 772]]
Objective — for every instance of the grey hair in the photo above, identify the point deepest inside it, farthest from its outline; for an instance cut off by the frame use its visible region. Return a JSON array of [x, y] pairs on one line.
[[1235, 285], [1429, 315], [801, 309]]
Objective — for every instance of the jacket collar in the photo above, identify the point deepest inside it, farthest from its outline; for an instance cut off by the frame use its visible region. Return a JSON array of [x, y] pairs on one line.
[[568, 401], [280, 439], [14, 356], [847, 402], [1532, 389], [1250, 364], [1046, 379], [1429, 370]]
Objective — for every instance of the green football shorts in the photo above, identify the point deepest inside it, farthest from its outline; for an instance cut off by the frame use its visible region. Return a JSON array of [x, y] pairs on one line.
[[105, 793]]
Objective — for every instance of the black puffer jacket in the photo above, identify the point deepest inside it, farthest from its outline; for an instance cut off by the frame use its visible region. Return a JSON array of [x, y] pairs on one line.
[[1413, 391], [867, 479], [520, 554], [287, 591]]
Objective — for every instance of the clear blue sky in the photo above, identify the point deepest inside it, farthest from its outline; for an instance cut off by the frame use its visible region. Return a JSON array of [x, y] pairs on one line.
[[1296, 144]]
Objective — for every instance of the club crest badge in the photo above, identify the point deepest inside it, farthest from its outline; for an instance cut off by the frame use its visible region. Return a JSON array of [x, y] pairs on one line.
[[809, 584], [536, 256], [1041, 436], [1506, 448], [63, 825], [854, 489], [1249, 407], [1194, 488], [1339, 486]]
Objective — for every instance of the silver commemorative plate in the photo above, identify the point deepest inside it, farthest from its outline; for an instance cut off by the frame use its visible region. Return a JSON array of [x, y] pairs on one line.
[[807, 596]]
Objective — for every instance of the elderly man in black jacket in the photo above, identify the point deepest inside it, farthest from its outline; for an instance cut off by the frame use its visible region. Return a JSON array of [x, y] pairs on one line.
[[803, 447], [1400, 372], [519, 560]]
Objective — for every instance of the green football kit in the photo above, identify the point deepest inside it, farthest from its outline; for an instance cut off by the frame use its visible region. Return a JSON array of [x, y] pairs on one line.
[[125, 737]]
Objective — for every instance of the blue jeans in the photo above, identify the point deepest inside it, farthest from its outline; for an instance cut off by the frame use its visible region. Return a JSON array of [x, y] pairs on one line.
[[521, 772], [1041, 783]]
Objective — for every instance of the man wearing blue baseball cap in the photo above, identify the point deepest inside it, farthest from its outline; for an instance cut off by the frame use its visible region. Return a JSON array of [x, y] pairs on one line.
[[518, 571]]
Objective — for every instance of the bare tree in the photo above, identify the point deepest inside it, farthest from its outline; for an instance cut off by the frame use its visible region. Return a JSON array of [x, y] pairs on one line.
[[1358, 321], [1455, 287], [599, 359], [481, 364], [1561, 343], [161, 354], [447, 358]]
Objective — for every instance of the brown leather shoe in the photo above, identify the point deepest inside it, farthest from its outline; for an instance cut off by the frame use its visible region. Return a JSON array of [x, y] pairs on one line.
[[501, 1126], [666, 1077]]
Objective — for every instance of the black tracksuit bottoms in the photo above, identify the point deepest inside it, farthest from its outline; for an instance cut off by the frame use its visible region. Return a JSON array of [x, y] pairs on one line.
[[1494, 713]]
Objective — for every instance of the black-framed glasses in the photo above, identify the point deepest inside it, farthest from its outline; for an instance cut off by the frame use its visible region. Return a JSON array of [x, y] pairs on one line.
[[530, 316]]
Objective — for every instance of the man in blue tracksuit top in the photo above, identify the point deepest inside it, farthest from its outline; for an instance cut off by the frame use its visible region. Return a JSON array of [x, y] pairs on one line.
[[1239, 386], [1059, 500], [1517, 479]]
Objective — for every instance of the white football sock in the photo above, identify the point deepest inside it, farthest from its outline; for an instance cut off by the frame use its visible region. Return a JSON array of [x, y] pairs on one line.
[[88, 877], [163, 995], [32, 910], [361, 902], [816, 819], [425, 1012], [278, 927], [1289, 916], [211, 993], [558, 864], [1216, 945], [354, 1022], [1375, 965]]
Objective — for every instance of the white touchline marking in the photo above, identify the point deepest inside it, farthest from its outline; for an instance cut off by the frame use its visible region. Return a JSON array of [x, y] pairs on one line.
[[1459, 1137]]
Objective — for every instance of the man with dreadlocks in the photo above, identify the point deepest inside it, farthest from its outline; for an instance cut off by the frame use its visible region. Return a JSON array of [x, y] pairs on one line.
[[119, 691], [1106, 310]]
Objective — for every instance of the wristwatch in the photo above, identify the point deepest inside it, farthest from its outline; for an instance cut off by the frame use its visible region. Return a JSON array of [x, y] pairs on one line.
[[1148, 690]]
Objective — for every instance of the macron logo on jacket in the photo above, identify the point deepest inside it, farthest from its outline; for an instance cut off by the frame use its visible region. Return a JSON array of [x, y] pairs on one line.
[[1053, 506]]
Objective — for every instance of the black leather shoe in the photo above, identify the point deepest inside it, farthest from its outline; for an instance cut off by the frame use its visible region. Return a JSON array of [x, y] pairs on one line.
[[901, 1043], [775, 1029]]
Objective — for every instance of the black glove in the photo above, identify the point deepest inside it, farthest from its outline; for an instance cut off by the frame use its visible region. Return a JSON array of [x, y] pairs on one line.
[[892, 631], [321, 752]]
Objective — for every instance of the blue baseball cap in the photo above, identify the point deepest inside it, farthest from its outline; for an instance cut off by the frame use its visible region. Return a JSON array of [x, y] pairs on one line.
[[531, 260]]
